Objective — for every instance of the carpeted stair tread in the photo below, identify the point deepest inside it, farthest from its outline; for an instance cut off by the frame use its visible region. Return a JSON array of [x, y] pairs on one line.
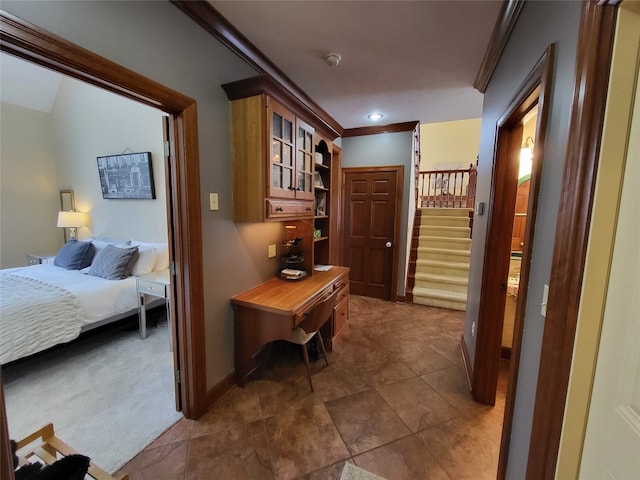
[[433, 277], [438, 263], [428, 212], [441, 294], [451, 251]]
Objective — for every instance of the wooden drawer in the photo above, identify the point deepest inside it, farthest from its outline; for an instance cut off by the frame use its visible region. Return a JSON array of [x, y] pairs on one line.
[[152, 288], [287, 209], [341, 312]]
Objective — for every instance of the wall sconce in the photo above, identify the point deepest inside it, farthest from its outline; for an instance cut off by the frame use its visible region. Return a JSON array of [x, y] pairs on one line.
[[526, 157], [71, 220]]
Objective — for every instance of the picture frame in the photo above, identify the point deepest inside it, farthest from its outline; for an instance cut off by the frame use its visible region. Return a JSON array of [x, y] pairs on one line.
[[318, 180], [126, 176]]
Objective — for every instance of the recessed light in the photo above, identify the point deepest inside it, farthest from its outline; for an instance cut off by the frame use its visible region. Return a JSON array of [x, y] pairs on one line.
[[375, 116]]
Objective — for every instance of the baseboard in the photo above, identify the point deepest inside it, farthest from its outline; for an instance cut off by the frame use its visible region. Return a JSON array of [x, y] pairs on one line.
[[466, 361], [219, 389], [401, 299]]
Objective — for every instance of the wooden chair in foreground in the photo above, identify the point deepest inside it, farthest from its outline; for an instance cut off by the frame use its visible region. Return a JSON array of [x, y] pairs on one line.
[[51, 448], [308, 328]]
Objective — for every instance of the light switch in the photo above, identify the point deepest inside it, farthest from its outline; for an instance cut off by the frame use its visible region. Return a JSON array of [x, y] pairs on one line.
[[545, 296], [272, 251], [213, 201]]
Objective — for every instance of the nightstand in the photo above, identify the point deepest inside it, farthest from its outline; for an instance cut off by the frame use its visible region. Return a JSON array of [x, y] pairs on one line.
[[156, 284], [38, 259]]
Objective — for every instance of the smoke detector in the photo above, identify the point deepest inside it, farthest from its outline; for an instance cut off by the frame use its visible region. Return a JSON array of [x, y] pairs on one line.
[[332, 59]]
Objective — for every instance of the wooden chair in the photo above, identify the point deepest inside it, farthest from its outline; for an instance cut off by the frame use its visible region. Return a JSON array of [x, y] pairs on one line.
[[308, 328], [50, 448]]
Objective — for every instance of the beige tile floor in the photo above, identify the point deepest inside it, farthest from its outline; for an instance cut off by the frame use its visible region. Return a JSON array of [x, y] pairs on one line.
[[394, 401]]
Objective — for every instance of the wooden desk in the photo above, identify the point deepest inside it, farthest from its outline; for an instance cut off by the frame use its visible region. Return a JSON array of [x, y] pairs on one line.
[[272, 309]]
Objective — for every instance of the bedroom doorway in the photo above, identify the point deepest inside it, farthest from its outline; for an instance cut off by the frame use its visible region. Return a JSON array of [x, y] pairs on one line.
[[530, 101], [37, 46]]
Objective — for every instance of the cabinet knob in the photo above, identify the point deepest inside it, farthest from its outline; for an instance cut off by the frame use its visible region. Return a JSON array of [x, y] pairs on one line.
[[279, 209], [308, 209]]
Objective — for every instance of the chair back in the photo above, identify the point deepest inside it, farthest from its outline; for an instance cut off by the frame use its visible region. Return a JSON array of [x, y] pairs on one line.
[[319, 314]]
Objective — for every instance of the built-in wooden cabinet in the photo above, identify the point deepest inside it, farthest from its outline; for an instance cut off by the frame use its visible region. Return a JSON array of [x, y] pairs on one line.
[[285, 167], [272, 154]]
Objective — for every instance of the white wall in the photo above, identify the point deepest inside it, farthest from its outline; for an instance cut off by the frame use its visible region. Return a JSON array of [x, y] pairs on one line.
[[89, 122], [383, 150], [29, 200], [539, 24]]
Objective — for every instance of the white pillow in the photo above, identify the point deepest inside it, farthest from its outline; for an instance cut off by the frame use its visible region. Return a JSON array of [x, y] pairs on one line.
[[161, 251], [146, 259]]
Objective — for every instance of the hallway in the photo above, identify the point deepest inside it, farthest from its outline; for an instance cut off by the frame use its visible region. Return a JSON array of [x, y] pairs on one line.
[[394, 401]]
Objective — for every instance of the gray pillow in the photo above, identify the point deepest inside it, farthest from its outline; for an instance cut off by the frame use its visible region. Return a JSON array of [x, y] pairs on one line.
[[75, 255], [113, 263]]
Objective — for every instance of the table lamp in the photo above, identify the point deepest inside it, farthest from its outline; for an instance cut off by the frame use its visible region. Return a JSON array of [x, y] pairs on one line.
[[71, 220]]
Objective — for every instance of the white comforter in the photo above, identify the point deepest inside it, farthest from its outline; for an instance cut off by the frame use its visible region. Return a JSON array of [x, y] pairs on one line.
[[44, 305]]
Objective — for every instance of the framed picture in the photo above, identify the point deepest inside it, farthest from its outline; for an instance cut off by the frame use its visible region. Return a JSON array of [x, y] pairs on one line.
[[128, 175], [318, 180]]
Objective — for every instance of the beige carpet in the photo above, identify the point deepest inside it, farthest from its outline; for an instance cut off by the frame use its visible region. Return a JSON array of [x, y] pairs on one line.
[[351, 472], [108, 395]]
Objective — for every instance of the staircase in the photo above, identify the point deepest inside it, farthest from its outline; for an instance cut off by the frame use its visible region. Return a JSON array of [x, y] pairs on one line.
[[442, 257]]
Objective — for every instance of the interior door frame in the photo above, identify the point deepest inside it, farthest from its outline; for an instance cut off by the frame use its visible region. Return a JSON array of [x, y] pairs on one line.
[[36, 45], [399, 172]]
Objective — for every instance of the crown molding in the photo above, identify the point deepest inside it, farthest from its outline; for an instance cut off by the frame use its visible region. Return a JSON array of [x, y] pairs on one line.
[[501, 32], [205, 15], [375, 130]]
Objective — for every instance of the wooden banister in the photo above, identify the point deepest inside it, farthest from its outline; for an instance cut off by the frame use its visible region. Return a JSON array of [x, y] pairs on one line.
[[447, 188]]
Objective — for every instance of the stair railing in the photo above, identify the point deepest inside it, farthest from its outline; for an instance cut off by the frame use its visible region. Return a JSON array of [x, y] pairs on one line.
[[447, 188]]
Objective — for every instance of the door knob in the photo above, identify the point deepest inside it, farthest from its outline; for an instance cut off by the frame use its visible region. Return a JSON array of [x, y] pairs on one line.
[[388, 244]]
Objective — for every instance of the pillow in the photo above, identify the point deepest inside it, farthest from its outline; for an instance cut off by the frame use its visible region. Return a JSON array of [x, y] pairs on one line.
[[113, 263], [145, 261], [74, 255], [99, 243], [162, 254]]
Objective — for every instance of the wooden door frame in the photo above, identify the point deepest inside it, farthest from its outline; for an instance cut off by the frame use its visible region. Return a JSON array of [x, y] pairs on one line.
[[399, 172], [36, 45], [535, 90], [594, 51]]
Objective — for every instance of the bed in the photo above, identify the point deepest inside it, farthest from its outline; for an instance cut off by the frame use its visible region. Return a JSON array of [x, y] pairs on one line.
[[44, 305]]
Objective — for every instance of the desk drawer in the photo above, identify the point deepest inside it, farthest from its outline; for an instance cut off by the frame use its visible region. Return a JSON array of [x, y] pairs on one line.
[[152, 288], [341, 312]]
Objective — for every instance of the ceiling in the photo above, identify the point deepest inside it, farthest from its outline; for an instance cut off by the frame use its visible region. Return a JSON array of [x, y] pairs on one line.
[[407, 59]]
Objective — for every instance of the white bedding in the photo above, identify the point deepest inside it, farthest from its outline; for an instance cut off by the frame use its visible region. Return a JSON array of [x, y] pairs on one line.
[[95, 299]]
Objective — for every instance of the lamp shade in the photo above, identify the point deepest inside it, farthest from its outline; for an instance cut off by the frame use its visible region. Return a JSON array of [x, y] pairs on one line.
[[71, 219]]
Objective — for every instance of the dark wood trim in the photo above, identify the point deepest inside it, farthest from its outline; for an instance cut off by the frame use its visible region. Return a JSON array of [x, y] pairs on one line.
[[205, 15], [401, 299], [501, 32], [542, 74], [505, 353], [466, 361], [375, 130], [6, 458], [33, 44], [253, 86], [220, 388], [595, 44]]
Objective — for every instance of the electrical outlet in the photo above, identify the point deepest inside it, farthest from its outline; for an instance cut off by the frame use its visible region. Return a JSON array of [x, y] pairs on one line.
[[213, 201], [272, 251], [473, 330]]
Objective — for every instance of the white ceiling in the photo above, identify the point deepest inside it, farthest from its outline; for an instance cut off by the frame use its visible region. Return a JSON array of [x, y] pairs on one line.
[[408, 59], [27, 85]]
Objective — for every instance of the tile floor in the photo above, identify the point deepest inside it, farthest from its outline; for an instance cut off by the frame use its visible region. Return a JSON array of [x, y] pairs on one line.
[[393, 401]]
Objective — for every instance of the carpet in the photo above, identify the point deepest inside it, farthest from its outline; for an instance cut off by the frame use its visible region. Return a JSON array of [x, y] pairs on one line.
[[351, 472], [108, 394]]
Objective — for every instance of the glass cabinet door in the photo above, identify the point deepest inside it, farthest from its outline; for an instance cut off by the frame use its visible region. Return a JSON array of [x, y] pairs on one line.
[[304, 161], [282, 172]]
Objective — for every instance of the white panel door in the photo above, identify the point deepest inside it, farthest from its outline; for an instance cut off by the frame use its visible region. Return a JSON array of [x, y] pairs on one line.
[[612, 441]]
